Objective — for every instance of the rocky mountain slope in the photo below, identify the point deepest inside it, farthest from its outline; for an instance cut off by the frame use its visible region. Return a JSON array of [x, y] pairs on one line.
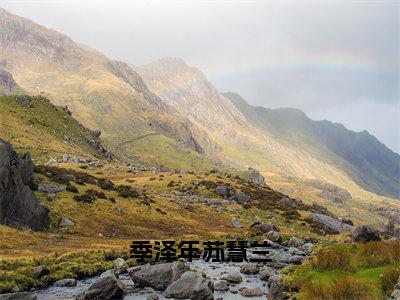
[[100, 93], [366, 160], [291, 160]]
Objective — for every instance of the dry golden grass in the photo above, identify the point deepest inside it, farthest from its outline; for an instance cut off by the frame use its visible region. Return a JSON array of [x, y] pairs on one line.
[[378, 253], [343, 288], [332, 259]]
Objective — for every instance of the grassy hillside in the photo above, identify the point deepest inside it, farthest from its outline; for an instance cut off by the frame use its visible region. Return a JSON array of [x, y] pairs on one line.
[[45, 130], [366, 160]]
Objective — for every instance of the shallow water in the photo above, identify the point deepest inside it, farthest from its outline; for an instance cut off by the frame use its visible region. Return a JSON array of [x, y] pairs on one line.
[[214, 270]]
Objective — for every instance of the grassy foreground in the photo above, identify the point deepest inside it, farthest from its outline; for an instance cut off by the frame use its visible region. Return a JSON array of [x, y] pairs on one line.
[[347, 271]]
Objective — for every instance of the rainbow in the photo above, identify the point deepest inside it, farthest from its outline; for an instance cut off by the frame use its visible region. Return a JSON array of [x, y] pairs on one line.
[[331, 62]]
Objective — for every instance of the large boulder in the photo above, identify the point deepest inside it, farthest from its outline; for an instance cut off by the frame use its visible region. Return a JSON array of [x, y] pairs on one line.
[[158, 276], [191, 285], [120, 265], [366, 234], [332, 224], [18, 205], [107, 286]]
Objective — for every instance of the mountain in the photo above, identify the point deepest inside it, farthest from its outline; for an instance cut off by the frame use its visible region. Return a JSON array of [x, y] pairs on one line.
[[303, 163], [101, 93], [366, 160]]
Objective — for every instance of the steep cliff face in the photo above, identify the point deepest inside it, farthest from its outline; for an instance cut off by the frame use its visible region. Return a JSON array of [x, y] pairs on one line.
[[188, 90], [18, 205]]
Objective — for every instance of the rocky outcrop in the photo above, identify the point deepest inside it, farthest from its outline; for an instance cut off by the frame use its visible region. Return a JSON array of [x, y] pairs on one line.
[[18, 205], [8, 85], [256, 177], [332, 224]]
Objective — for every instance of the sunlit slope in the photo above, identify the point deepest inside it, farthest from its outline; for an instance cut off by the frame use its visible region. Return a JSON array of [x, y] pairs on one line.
[[102, 94], [366, 160]]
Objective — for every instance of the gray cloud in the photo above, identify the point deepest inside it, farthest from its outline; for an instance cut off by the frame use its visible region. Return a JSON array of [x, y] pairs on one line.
[[337, 61]]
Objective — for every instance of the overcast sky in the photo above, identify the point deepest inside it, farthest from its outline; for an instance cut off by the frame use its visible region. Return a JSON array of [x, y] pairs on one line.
[[334, 60]]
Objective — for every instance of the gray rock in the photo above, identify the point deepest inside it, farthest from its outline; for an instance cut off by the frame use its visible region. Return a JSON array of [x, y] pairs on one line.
[[107, 286], [191, 285], [273, 279], [223, 191], [277, 290], [240, 197], [120, 266], [17, 201], [256, 177], [221, 285], [263, 228], [307, 246], [296, 242], [40, 271], [249, 268], [236, 223], [66, 222], [251, 292], [232, 278], [365, 234], [51, 197], [152, 297], [18, 296], [266, 272], [332, 223], [273, 236], [51, 187], [66, 282], [396, 293], [158, 276]]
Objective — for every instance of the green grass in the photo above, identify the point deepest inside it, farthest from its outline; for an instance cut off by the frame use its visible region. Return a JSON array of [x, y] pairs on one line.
[[323, 272]]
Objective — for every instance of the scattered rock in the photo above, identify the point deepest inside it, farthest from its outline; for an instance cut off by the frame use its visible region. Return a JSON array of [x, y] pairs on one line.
[[107, 286], [366, 234], [256, 177], [296, 242], [240, 197], [120, 266], [152, 297], [66, 222], [40, 271], [66, 282], [221, 285], [307, 246], [277, 290], [332, 223], [266, 272], [18, 296], [158, 276], [191, 285], [249, 268], [251, 292], [51, 197], [232, 278], [236, 223], [273, 236], [50, 187], [223, 191]]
